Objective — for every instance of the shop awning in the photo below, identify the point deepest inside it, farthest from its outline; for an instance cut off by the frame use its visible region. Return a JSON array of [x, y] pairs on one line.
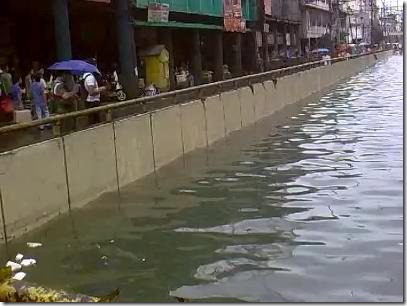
[[176, 24]]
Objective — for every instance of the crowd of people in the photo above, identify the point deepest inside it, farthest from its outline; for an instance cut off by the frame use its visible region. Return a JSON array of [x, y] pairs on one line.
[[58, 92]]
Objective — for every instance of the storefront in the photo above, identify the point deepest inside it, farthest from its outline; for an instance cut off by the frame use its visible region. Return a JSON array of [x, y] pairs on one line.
[[50, 30]]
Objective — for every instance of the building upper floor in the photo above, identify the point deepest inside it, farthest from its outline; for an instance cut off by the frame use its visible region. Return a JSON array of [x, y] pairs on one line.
[[211, 8], [318, 4], [283, 9]]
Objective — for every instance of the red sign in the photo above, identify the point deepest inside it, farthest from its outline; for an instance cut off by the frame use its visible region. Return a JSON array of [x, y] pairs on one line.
[[267, 7], [232, 15], [158, 12]]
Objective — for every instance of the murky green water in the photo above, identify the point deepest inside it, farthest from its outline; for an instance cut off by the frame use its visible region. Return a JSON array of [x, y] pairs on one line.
[[304, 206]]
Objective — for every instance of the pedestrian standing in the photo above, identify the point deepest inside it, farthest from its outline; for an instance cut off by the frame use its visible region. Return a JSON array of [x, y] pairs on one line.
[[6, 78], [39, 98], [92, 91], [16, 92]]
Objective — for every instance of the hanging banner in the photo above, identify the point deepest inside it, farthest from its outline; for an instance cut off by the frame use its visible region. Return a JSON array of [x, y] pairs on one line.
[[267, 7], [158, 12], [232, 16]]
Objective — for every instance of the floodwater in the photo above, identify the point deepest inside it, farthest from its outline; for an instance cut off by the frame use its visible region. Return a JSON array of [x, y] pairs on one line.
[[305, 206]]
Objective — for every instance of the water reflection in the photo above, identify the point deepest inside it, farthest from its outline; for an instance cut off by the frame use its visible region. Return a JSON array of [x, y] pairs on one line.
[[304, 206]]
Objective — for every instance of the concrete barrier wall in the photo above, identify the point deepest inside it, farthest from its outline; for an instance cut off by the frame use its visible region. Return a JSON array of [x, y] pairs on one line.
[[35, 180], [134, 147], [91, 163], [193, 125], [246, 98], [232, 110], [215, 120], [33, 185], [260, 106], [167, 135], [274, 96]]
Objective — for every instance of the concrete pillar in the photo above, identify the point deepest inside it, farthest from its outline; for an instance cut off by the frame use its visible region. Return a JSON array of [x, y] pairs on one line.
[[236, 68], [196, 57], [285, 31], [218, 50], [62, 32], [265, 55], [298, 40], [293, 46], [253, 48], [275, 45], [126, 48], [166, 39]]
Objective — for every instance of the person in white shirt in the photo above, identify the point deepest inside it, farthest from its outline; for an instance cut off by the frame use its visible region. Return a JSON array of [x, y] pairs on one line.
[[93, 90]]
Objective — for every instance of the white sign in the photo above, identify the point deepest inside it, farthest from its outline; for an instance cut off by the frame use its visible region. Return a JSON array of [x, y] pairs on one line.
[[158, 12]]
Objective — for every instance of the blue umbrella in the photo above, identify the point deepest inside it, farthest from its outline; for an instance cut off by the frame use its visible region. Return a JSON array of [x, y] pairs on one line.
[[75, 67], [322, 50]]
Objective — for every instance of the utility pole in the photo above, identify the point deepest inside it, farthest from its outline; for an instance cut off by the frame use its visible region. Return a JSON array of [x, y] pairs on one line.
[[372, 4]]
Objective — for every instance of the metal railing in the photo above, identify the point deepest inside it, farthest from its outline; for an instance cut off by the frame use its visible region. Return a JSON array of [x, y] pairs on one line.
[[171, 98]]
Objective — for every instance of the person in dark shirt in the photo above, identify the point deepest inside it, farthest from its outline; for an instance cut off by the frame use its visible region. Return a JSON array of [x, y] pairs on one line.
[[16, 92], [39, 98]]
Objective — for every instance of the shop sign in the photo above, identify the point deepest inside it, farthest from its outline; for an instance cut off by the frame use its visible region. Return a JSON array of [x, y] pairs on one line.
[[267, 7], [232, 16], [266, 28], [158, 12]]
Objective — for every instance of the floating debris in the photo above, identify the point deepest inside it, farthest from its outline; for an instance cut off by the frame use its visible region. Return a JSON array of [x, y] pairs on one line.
[[34, 245], [28, 262], [187, 191], [19, 276], [14, 290], [19, 257], [227, 179], [143, 260], [241, 174], [248, 210], [112, 241], [247, 163], [14, 266]]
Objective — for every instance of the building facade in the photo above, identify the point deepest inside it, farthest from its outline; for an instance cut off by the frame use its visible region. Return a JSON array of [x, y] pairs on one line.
[[316, 23], [282, 28]]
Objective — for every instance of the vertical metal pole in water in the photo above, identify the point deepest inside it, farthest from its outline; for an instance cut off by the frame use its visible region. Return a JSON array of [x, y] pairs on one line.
[[3, 220], [66, 174], [117, 165], [62, 32]]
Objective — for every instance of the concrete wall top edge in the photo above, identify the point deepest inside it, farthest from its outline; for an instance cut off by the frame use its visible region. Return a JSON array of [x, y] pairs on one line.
[[132, 117], [42, 143], [191, 102]]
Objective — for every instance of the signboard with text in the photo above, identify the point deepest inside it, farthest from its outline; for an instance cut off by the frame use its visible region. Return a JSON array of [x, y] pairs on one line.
[[158, 12], [232, 15], [267, 7]]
